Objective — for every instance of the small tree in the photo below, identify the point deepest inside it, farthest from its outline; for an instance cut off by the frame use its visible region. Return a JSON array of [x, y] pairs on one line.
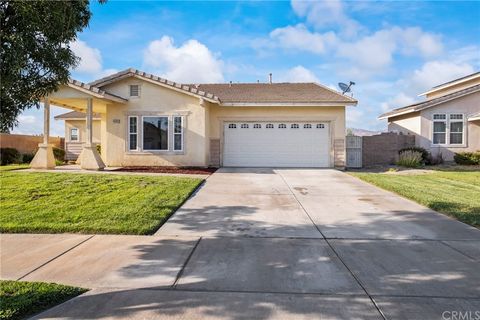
[[35, 51]]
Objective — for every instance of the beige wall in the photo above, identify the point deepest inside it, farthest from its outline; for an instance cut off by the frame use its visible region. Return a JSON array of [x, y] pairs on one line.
[[406, 124], [454, 88], [467, 105], [81, 126], [334, 115], [154, 100]]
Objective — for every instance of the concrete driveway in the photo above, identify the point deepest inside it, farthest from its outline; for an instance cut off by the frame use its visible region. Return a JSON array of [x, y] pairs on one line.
[[269, 244]]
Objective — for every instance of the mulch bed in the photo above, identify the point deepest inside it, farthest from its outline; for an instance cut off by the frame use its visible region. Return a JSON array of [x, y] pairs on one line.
[[179, 170]]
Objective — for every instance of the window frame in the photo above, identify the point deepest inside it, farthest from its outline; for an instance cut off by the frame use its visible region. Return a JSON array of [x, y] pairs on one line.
[[447, 132], [168, 133], [450, 121], [129, 133], [177, 133], [70, 134]]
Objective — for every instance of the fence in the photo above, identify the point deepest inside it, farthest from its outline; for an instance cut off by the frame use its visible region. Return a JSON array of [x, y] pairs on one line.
[[26, 143], [381, 149]]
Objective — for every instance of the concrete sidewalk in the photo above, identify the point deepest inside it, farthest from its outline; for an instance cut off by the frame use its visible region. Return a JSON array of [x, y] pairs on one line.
[[266, 244]]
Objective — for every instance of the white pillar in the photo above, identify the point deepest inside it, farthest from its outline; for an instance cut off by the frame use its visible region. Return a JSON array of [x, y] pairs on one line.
[[46, 121], [44, 158], [89, 128], [89, 158]]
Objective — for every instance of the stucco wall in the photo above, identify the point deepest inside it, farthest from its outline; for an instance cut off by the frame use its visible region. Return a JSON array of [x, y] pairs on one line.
[[334, 115], [81, 126], [154, 100], [406, 124], [420, 124], [467, 105]]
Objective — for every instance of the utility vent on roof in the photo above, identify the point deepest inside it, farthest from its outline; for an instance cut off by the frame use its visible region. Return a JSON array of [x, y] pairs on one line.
[[134, 90]]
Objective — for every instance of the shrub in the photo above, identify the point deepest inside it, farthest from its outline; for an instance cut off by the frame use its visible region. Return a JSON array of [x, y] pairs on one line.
[[467, 158], [99, 148], [9, 155], [410, 158], [59, 154], [425, 154], [27, 157]]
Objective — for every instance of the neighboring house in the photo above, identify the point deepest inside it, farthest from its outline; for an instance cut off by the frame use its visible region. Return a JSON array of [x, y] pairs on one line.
[[75, 123], [149, 121], [448, 121]]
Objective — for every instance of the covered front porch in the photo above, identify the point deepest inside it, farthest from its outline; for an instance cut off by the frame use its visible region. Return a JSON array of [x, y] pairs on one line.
[[77, 96]]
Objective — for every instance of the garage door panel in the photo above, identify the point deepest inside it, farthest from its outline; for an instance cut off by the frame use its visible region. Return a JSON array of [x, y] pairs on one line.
[[277, 146]]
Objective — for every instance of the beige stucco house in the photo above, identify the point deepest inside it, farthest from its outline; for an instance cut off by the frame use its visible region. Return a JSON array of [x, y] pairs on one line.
[[448, 121], [143, 120]]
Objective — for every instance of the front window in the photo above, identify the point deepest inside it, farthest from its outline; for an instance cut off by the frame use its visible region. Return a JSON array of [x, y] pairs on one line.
[[73, 134], [132, 133], [439, 129], [155, 133], [456, 129], [177, 134]]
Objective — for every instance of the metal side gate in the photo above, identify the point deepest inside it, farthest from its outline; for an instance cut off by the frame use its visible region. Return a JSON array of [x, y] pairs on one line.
[[354, 151]]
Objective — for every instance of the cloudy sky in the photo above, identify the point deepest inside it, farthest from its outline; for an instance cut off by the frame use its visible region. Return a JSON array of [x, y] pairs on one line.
[[393, 50]]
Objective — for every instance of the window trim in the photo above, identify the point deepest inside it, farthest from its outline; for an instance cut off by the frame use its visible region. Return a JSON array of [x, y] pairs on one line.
[[462, 121], [177, 133], [447, 122], [70, 134], [129, 133], [168, 134]]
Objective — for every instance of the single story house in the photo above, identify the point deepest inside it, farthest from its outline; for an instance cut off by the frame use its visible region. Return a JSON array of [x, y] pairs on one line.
[[144, 120], [448, 121]]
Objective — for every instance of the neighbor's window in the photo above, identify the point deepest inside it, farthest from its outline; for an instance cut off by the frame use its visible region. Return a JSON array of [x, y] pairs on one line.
[[294, 126], [257, 126], [132, 133], [269, 126], [307, 126], [73, 134], [134, 90], [320, 126], [232, 126], [439, 128], [244, 126], [177, 133], [155, 133], [456, 129], [282, 126]]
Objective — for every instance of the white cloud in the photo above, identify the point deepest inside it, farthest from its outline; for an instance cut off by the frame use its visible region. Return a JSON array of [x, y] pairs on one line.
[[299, 74], [26, 119], [190, 62], [400, 100], [300, 38], [434, 73], [322, 14], [90, 58]]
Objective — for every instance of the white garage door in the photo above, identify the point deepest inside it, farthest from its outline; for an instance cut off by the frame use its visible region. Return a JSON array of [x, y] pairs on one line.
[[276, 144]]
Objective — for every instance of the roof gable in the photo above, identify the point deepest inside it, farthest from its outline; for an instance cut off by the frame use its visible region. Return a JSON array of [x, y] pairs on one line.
[[187, 89]]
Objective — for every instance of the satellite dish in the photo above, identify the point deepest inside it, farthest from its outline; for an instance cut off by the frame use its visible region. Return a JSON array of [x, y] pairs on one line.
[[345, 87]]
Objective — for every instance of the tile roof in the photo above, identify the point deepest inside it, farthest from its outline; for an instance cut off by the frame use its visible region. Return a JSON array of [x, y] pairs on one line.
[[275, 93], [429, 103], [75, 115], [175, 85], [93, 89]]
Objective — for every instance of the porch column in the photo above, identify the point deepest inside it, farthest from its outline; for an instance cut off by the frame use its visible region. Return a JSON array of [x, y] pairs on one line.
[[89, 157], [44, 158]]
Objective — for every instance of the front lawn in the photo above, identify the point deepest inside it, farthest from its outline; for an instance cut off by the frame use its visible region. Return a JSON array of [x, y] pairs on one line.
[[89, 203], [19, 299], [10, 167], [455, 193]]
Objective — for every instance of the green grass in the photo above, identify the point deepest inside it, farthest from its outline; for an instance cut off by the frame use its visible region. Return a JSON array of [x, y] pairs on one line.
[[10, 167], [19, 299], [89, 203], [454, 193]]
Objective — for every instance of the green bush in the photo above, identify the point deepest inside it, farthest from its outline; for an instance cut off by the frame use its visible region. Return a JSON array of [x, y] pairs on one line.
[[467, 158], [59, 154], [99, 148], [425, 154], [9, 155], [410, 158], [27, 157]]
